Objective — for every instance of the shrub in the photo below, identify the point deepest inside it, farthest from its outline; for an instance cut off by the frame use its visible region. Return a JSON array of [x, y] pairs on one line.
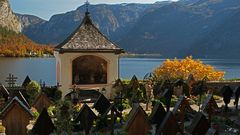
[[175, 69]]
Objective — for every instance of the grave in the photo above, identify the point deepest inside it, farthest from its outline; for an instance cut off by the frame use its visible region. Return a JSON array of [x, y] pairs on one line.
[[42, 101], [199, 125], [182, 105], [169, 125], [16, 124], [158, 114], [227, 93], [137, 123], [44, 124], [26, 81], [102, 104], [210, 106], [84, 119], [134, 83], [4, 94], [237, 94], [167, 94]]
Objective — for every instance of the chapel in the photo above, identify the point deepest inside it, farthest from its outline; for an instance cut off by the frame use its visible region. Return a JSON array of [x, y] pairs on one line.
[[87, 60]]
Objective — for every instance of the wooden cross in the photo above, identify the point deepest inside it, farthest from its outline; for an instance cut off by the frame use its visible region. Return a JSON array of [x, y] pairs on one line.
[[11, 80]]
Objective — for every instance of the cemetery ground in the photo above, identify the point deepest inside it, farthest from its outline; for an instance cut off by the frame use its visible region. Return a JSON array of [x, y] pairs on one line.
[[146, 107]]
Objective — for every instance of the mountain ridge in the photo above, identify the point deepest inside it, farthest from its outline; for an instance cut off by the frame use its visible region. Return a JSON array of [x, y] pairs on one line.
[[173, 29]]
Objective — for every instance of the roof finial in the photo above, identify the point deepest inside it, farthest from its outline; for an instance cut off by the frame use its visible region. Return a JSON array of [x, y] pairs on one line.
[[87, 4]]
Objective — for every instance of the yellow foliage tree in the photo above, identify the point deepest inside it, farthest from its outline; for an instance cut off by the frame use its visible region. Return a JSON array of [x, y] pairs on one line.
[[174, 69]]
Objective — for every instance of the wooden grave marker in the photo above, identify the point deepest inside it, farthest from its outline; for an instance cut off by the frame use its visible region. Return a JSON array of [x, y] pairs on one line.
[[167, 94], [26, 81], [15, 117], [209, 106], [44, 124], [4, 93], [181, 105], [237, 95], [42, 101], [84, 119], [20, 96], [137, 123], [102, 104], [227, 93], [169, 125], [134, 83], [199, 125], [158, 114]]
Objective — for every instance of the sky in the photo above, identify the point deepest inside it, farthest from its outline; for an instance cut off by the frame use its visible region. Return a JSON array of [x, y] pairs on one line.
[[46, 8]]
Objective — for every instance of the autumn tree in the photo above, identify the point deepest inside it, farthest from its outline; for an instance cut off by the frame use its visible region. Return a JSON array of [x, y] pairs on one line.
[[175, 69]]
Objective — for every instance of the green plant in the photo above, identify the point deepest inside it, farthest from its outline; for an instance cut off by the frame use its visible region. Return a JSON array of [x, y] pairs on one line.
[[33, 89]]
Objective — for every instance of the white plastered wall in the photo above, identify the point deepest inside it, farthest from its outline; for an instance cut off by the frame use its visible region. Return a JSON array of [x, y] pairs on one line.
[[65, 74]]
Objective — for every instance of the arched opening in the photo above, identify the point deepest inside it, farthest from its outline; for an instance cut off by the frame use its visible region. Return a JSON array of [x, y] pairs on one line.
[[89, 69]]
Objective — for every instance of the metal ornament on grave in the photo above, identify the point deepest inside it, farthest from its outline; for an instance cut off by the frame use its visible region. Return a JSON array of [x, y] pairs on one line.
[[11, 80]]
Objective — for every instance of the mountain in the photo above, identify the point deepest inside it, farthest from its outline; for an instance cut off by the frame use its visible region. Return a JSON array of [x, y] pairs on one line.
[[113, 20], [28, 20], [202, 28], [177, 30], [8, 18], [12, 41]]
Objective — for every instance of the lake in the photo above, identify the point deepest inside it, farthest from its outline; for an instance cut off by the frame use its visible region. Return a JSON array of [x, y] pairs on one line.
[[44, 68]]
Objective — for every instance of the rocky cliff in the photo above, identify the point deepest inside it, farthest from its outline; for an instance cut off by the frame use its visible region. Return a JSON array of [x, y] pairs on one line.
[[8, 18]]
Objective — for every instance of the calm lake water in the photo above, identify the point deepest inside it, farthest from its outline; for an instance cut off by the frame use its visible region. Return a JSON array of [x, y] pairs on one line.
[[44, 68]]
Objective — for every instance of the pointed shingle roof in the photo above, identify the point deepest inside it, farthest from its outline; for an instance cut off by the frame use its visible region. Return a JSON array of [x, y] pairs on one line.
[[87, 38], [9, 106], [44, 124]]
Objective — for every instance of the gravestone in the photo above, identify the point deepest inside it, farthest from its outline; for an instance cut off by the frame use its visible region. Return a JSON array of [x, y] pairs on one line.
[[199, 125], [44, 124], [169, 125], [181, 105], [237, 94], [137, 123], [227, 93], [158, 114], [85, 118], [26, 81], [209, 106], [102, 104]]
